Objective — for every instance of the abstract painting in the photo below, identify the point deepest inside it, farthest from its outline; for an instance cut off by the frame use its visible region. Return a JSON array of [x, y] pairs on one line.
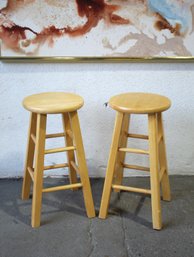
[[97, 28]]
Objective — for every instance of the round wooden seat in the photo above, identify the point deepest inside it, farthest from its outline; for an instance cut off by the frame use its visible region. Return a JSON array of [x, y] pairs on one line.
[[139, 103], [53, 102]]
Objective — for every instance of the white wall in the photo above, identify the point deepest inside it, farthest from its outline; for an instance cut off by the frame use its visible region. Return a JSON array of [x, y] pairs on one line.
[[97, 83]]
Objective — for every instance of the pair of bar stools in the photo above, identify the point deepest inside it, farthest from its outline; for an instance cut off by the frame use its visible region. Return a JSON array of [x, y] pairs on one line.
[[67, 104]]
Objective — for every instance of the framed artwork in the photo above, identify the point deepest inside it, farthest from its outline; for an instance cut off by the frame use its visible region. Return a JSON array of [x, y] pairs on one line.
[[78, 30]]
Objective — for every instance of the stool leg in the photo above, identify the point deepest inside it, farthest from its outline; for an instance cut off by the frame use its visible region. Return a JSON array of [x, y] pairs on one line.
[[154, 172], [121, 155], [38, 170], [29, 157], [82, 165], [70, 154], [163, 161], [111, 166]]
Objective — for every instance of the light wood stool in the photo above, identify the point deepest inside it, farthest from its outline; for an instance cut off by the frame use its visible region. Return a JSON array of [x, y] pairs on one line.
[[138, 103], [54, 103]]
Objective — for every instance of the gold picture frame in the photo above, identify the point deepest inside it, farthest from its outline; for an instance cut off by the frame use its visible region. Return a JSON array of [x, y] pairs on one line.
[[70, 59]]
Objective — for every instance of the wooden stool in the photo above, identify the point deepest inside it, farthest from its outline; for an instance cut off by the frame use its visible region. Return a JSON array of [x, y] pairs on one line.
[[138, 103], [54, 103]]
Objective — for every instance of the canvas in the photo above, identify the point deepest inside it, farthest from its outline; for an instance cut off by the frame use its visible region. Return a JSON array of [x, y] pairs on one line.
[[97, 28]]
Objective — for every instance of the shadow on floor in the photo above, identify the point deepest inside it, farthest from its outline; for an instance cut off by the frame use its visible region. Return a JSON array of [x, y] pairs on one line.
[[66, 231]]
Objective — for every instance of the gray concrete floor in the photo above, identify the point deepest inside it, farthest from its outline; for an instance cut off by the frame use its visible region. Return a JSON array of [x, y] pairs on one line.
[[127, 232]]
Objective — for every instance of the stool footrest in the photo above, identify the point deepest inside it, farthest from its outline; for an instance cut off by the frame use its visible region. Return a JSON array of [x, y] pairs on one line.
[[132, 150], [132, 189], [135, 167], [162, 171], [31, 172], [75, 167], [33, 138], [69, 133], [56, 166], [52, 135], [160, 137], [57, 188], [50, 167], [55, 135], [139, 136], [59, 150]]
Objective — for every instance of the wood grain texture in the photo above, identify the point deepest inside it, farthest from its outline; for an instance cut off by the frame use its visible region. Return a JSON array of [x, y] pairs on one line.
[[165, 183], [29, 157], [154, 172], [38, 170], [88, 199], [139, 103], [111, 166], [121, 155], [53, 102], [69, 142]]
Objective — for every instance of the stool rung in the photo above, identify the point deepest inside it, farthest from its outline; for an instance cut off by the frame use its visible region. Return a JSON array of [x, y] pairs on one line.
[[66, 187], [33, 138], [55, 135], [74, 165], [70, 134], [137, 136], [135, 167], [59, 150], [132, 150], [162, 170], [31, 172], [56, 166], [159, 138], [132, 189]]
